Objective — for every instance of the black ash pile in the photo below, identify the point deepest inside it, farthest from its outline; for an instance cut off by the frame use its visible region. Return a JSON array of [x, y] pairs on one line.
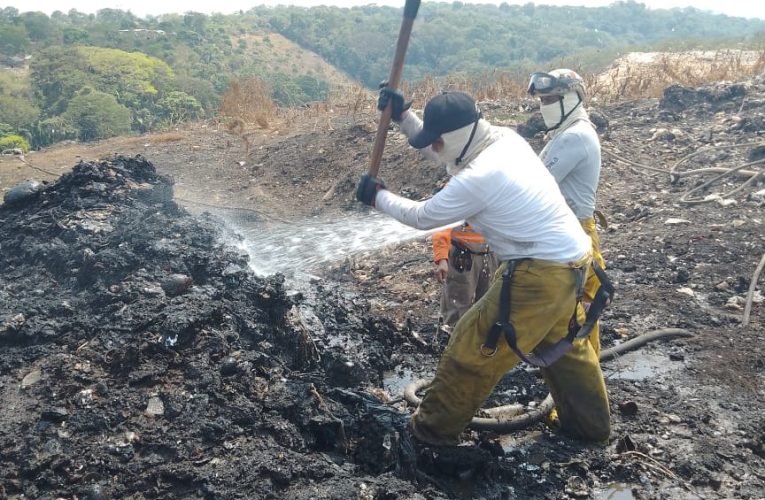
[[139, 356]]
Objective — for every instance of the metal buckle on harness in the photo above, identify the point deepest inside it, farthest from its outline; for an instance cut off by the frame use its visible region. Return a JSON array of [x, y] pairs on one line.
[[487, 351]]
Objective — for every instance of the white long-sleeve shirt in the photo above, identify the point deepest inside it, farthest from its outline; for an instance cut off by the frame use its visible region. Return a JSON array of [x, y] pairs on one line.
[[506, 194], [573, 158]]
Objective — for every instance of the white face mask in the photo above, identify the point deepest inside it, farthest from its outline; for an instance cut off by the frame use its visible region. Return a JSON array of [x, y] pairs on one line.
[[448, 159], [551, 114], [455, 141], [451, 149]]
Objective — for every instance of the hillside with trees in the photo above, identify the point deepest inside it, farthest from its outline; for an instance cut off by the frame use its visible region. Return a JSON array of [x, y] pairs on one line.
[[90, 76], [454, 37]]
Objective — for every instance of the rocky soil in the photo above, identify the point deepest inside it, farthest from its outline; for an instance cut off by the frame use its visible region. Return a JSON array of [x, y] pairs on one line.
[[142, 358]]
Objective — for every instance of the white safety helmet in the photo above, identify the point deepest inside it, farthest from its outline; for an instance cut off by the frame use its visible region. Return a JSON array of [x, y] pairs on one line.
[[569, 86], [557, 82]]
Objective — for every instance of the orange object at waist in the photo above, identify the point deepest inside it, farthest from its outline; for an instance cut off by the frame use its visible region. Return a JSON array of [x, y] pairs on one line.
[[442, 241]]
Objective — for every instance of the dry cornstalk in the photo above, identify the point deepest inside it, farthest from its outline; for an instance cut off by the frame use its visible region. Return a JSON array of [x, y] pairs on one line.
[[750, 295]]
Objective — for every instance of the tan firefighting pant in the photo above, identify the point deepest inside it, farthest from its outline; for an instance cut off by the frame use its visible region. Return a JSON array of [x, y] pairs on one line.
[[593, 283], [463, 288], [542, 301]]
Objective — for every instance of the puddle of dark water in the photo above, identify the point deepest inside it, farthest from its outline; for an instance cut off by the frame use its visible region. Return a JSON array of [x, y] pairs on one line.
[[615, 491], [638, 366], [395, 381], [510, 442]]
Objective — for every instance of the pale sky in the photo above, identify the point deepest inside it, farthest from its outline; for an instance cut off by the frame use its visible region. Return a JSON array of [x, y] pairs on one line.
[[741, 8]]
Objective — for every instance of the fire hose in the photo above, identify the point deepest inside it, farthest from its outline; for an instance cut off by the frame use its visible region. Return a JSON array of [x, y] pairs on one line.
[[508, 418]]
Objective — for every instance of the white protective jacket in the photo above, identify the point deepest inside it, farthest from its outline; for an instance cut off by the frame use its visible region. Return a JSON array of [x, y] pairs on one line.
[[506, 194], [573, 158]]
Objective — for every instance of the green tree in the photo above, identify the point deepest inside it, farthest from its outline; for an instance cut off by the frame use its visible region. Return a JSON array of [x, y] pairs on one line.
[[202, 90], [97, 115], [135, 78], [13, 38], [56, 74], [17, 112], [116, 19], [50, 131], [38, 26], [9, 13], [286, 92], [196, 22], [74, 36], [313, 89], [14, 142], [15, 84], [176, 107]]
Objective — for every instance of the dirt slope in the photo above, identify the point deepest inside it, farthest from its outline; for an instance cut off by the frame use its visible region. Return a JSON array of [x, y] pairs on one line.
[[275, 53], [288, 406]]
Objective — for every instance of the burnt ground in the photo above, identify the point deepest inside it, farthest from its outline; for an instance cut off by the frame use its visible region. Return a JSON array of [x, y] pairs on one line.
[[141, 358]]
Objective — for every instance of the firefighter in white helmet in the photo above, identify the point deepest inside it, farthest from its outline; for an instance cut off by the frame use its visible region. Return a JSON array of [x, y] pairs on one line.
[[572, 155]]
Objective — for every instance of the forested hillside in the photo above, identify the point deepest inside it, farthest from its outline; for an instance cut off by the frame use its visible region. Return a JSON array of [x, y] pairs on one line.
[[455, 37], [88, 76]]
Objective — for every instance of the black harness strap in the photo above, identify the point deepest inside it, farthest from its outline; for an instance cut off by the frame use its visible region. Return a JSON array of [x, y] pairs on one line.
[[470, 140], [504, 326], [600, 302], [489, 348]]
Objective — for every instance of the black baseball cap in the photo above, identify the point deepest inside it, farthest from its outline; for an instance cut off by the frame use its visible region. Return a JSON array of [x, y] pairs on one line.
[[444, 113]]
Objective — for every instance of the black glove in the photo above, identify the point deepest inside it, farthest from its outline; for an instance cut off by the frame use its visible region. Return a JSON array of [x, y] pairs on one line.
[[396, 98], [367, 190]]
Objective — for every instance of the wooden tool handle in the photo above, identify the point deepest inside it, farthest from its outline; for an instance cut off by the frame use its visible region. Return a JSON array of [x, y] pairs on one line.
[[410, 12]]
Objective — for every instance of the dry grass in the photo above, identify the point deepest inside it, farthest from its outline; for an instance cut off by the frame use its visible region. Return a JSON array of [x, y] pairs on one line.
[[167, 137], [494, 86], [642, 75], [638, 75], [248, 100], [353, 103], [248, 112], [353, 99], [635, 76], [246, 109]]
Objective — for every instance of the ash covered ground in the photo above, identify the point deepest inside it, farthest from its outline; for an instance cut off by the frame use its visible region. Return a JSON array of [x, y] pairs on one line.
[[140, 356]]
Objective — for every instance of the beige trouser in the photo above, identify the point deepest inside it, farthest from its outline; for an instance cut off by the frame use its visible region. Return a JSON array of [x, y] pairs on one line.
[[542, 300], [462, 289], [593, 283]]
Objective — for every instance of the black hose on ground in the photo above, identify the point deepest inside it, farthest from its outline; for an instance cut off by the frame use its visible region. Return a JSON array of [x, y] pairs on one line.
[[509, 423]]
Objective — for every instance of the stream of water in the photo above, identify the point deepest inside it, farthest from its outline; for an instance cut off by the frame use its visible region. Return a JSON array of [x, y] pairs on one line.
[[309, 245]]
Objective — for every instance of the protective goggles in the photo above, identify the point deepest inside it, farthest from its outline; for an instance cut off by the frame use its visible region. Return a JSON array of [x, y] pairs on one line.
[[544, 83]]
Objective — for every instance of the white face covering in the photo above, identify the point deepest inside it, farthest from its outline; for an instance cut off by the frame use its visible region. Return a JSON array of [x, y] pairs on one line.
[[450, 151], [551, 114], [455, 141], [453, 169], [572, 109]]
